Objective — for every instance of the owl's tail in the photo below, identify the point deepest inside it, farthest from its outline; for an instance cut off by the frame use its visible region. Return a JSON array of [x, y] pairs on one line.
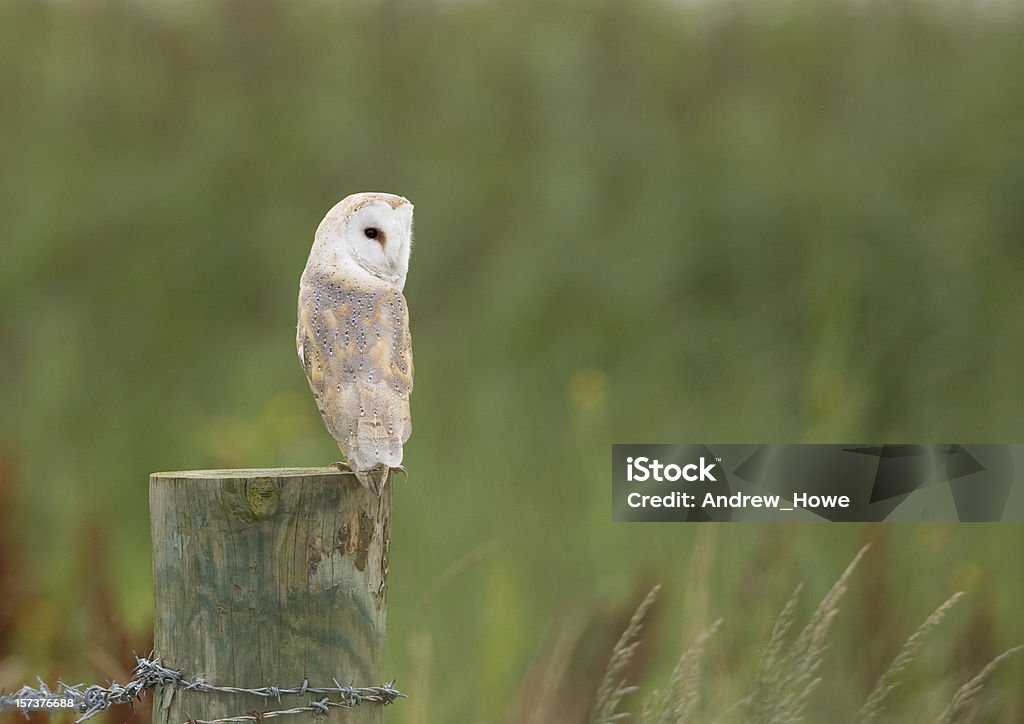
[[374, 479]]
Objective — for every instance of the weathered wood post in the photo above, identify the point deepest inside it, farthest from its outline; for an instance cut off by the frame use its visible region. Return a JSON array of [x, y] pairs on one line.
[[268, 577]]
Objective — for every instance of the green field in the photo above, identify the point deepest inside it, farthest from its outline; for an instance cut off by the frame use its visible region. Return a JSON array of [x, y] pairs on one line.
[[748, 222]]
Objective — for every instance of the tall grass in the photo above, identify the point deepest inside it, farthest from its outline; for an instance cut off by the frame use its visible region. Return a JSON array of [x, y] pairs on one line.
[[789, 673]]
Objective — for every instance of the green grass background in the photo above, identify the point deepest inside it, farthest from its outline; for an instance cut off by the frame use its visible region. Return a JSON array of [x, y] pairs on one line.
[[777, 222]]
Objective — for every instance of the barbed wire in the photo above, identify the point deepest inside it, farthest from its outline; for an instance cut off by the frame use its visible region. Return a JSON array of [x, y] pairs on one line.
[[150, 673]]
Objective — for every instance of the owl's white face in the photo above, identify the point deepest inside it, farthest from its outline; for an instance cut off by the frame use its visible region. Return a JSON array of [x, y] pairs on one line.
[[368, 233]]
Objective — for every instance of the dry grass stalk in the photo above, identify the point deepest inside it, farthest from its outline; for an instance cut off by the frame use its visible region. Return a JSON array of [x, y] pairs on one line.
[[680, 699], [613, 687], [962, 708], [875, 702], [789, 679]]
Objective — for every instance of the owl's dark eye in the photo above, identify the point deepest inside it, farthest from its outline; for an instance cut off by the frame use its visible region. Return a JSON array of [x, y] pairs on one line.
[[371, 232]]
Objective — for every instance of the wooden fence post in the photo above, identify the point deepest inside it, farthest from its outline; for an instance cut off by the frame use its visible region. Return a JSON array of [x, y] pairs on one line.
[[268, 577]]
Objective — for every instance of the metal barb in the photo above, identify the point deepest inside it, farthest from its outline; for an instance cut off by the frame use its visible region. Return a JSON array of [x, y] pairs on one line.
[[150, 673]]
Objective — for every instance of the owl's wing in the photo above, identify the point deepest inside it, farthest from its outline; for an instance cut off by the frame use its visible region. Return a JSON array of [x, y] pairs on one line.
[[400, 364], [310, 343], [387, 377], [356, 350]]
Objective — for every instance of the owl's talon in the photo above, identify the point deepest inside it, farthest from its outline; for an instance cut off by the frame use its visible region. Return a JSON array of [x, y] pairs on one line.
[[342, 467], [401, 469]]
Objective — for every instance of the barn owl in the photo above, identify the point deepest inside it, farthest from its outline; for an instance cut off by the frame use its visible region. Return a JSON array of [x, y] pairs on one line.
[[353, 333]]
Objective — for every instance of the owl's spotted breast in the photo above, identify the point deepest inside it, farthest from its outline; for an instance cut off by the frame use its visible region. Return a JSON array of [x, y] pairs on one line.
[[355, 347]]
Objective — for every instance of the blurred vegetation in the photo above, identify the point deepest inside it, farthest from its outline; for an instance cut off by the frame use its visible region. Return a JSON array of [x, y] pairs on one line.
[[778, 222]]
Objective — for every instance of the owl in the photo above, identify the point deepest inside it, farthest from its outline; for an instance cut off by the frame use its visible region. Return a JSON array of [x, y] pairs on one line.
[[353, 332]]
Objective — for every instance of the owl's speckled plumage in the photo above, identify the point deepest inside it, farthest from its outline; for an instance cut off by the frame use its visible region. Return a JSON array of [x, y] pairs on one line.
[[353, 331]]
